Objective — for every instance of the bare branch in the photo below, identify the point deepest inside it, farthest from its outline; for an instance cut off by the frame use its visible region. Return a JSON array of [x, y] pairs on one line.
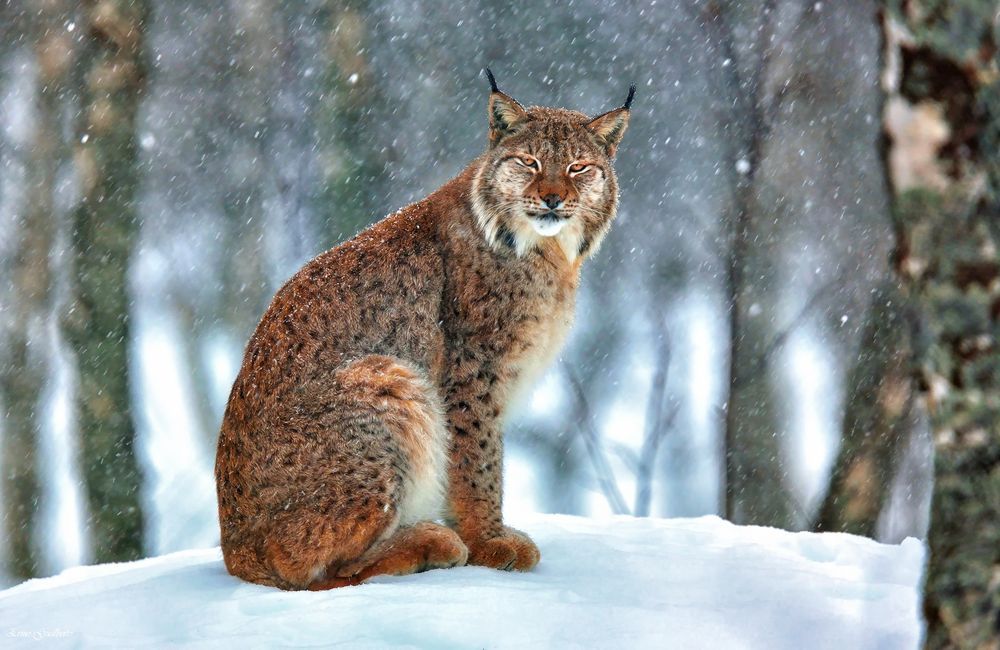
[[656, 428], [781, 338], [592, 441]]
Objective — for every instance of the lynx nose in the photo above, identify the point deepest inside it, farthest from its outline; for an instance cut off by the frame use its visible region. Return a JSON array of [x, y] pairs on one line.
[[552, 201]]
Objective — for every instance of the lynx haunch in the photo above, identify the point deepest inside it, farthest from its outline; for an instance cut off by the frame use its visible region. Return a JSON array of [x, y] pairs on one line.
[[372, 393]]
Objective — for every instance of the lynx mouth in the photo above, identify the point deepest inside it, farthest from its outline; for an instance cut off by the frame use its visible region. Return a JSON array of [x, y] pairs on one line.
[[548, 224]]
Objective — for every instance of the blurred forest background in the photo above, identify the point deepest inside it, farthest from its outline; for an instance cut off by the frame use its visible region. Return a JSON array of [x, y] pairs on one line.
[[793, 323]]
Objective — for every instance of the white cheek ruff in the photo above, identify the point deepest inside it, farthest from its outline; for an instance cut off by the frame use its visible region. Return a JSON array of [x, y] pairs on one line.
[[548, 227]]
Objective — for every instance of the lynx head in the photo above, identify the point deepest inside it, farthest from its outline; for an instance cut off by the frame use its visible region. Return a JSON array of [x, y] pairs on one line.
[[547, 174]]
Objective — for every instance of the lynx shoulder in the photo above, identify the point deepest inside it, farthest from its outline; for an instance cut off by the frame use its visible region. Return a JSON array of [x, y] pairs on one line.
[[371, 397]]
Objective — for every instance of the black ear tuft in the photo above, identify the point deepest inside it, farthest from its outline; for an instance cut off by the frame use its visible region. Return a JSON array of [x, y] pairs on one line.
[[506, 113], [628, 100], [493, 81]]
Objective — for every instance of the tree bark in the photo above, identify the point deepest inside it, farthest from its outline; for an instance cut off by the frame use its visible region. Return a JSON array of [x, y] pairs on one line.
[[960, 370], [112, 77]]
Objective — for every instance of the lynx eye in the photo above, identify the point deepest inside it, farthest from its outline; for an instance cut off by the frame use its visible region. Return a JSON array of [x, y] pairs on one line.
[[577, 168], [528, 162]]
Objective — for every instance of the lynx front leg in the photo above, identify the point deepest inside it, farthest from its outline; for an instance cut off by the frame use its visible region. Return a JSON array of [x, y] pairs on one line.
[[475, 482]]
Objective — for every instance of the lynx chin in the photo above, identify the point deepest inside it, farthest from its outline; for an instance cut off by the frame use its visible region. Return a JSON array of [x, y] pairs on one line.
[[372, 394]]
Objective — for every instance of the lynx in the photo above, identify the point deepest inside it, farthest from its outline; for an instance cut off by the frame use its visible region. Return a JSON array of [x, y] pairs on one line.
[[371, 397]]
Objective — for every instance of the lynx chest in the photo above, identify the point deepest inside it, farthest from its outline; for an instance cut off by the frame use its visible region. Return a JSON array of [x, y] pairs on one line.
[[542, 320]]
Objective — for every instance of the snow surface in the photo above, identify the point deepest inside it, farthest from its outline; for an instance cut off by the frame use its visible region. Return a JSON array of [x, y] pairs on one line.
[[606, 583]]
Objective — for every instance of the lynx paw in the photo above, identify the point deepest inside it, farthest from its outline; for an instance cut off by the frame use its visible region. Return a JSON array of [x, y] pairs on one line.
[[412, 549], [444, 549], [510, 551]]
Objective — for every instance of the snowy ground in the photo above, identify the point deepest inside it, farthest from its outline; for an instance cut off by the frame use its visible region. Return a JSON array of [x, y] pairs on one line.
[[610, 583]]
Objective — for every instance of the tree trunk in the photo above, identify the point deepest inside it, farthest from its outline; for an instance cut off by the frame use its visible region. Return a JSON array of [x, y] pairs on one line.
[[25, 376], [961, 371], [754, 489], [800, 75], [112, 77], [878, 418], [943, 119], [354, 167]]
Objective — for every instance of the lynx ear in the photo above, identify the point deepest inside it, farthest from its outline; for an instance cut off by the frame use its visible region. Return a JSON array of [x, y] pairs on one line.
[[506, 114], [610, 127]]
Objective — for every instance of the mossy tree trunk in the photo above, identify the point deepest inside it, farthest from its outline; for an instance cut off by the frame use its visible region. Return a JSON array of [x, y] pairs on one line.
[[961, 376], [112, 76], [950, 256], [961, 379], [25, 375], [943, 119]]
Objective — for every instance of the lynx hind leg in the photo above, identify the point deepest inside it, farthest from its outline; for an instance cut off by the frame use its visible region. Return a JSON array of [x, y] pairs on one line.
[[411, 549], [386, 467], [409, 406]]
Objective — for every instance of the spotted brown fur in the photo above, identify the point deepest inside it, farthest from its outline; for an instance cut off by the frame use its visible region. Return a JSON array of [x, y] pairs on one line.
[[372, 393]]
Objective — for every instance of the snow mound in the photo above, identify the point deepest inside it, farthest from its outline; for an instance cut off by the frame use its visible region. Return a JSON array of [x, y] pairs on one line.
[[617, 582]]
